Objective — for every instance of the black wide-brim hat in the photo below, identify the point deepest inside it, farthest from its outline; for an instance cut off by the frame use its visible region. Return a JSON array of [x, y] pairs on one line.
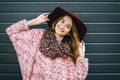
[[58, 12]]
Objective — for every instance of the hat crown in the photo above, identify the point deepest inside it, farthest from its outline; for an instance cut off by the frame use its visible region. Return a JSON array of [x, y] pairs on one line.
[[75, 15], [71, 13]]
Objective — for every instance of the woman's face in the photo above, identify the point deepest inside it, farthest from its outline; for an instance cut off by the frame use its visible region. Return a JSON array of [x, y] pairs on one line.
[[63, 26]]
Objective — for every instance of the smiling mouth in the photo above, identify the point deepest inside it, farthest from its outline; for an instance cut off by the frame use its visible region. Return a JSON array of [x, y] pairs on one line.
[[61, 30]]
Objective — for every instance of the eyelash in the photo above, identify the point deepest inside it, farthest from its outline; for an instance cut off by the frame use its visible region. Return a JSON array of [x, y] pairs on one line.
[[67, 26], [62, 21]]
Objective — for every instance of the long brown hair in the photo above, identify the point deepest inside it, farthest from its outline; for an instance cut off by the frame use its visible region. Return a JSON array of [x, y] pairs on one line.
[[71, 40]]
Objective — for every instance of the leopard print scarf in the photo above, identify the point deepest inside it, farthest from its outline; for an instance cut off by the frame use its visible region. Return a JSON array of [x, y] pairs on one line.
[[51, 48]]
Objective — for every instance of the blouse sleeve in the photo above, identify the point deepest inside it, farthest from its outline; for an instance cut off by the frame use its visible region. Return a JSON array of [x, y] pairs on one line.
[[81, 68], [82, 65], [22, 37], [25, 42], [17, 27]]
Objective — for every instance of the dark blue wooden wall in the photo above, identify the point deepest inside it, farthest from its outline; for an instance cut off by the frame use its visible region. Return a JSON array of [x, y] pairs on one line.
[[102, 18]]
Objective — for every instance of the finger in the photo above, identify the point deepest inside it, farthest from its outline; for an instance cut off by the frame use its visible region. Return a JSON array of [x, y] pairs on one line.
[[82, 42], [47, 19], [45, 14]]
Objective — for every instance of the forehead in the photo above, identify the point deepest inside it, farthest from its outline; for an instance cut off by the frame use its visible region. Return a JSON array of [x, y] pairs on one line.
[[68, 19]]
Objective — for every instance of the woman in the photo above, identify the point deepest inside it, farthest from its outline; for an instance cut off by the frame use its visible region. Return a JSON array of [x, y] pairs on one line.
[[56, 54]]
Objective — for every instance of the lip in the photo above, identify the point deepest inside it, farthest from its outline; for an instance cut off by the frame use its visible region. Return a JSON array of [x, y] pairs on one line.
[[61, 30]]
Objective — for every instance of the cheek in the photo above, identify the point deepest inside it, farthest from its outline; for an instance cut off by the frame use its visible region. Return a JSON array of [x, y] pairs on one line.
[[67, 30], [56, 26], [59, 23]]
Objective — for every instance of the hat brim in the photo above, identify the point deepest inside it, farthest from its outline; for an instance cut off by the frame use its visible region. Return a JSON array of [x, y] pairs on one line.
[[58, 12]]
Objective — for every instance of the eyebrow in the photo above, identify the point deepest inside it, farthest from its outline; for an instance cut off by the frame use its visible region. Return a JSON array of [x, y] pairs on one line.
[[63, 19], [68, 24]]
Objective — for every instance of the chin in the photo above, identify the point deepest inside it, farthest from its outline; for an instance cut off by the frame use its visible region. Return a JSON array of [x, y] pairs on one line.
[[61, 35]]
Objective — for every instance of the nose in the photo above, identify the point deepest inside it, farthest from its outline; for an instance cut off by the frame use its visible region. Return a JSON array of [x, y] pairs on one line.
[[62, 26]]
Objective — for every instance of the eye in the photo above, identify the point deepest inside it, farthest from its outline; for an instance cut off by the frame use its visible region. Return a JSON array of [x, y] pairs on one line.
[[62, 21], [68, 27]]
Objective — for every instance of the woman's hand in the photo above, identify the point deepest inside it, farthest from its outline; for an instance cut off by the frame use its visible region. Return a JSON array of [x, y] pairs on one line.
[[38, 20], [82, 49]]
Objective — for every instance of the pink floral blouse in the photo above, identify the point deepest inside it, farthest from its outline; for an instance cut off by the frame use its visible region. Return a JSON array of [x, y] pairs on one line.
[[26, 41]]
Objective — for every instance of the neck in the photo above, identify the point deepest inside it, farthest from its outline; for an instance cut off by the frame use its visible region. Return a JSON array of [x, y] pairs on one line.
[[59, 38]]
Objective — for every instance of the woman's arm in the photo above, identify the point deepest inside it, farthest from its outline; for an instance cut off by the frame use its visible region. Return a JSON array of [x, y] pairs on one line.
[[24, 25], [38, 20], [25, 43], [82, 63], [17, 27]]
